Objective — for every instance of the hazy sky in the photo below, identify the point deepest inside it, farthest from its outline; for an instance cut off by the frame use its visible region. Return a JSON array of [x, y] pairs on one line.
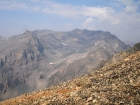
[[120, 17]]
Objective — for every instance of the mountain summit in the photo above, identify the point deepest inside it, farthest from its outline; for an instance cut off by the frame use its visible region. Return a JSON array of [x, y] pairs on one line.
[[42, 58]]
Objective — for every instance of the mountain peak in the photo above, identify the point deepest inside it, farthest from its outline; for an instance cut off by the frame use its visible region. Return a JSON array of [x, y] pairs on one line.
[[27, 32]]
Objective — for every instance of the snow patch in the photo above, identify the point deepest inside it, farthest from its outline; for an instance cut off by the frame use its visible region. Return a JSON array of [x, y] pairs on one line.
[[64, 43], [51, 63]]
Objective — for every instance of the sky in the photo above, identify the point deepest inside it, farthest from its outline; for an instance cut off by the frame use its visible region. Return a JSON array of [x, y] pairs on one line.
[[120, 17]]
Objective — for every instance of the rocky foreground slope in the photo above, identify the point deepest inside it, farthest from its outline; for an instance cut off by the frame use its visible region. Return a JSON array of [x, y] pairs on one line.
[[117, 84]]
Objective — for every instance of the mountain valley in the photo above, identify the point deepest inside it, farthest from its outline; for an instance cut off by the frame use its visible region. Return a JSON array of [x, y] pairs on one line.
[[42, 58]]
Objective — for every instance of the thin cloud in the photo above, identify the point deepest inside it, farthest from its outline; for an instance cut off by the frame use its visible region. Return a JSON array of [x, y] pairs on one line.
[[88, 23], [12, 5], [48, 7]]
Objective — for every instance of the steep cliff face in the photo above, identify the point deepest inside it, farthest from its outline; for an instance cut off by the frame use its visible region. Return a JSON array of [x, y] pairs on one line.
[[38, 59], [20, 57]]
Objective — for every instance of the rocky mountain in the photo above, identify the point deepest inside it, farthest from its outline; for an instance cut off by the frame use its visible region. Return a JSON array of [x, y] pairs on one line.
[[42, 58], [116, 84]]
